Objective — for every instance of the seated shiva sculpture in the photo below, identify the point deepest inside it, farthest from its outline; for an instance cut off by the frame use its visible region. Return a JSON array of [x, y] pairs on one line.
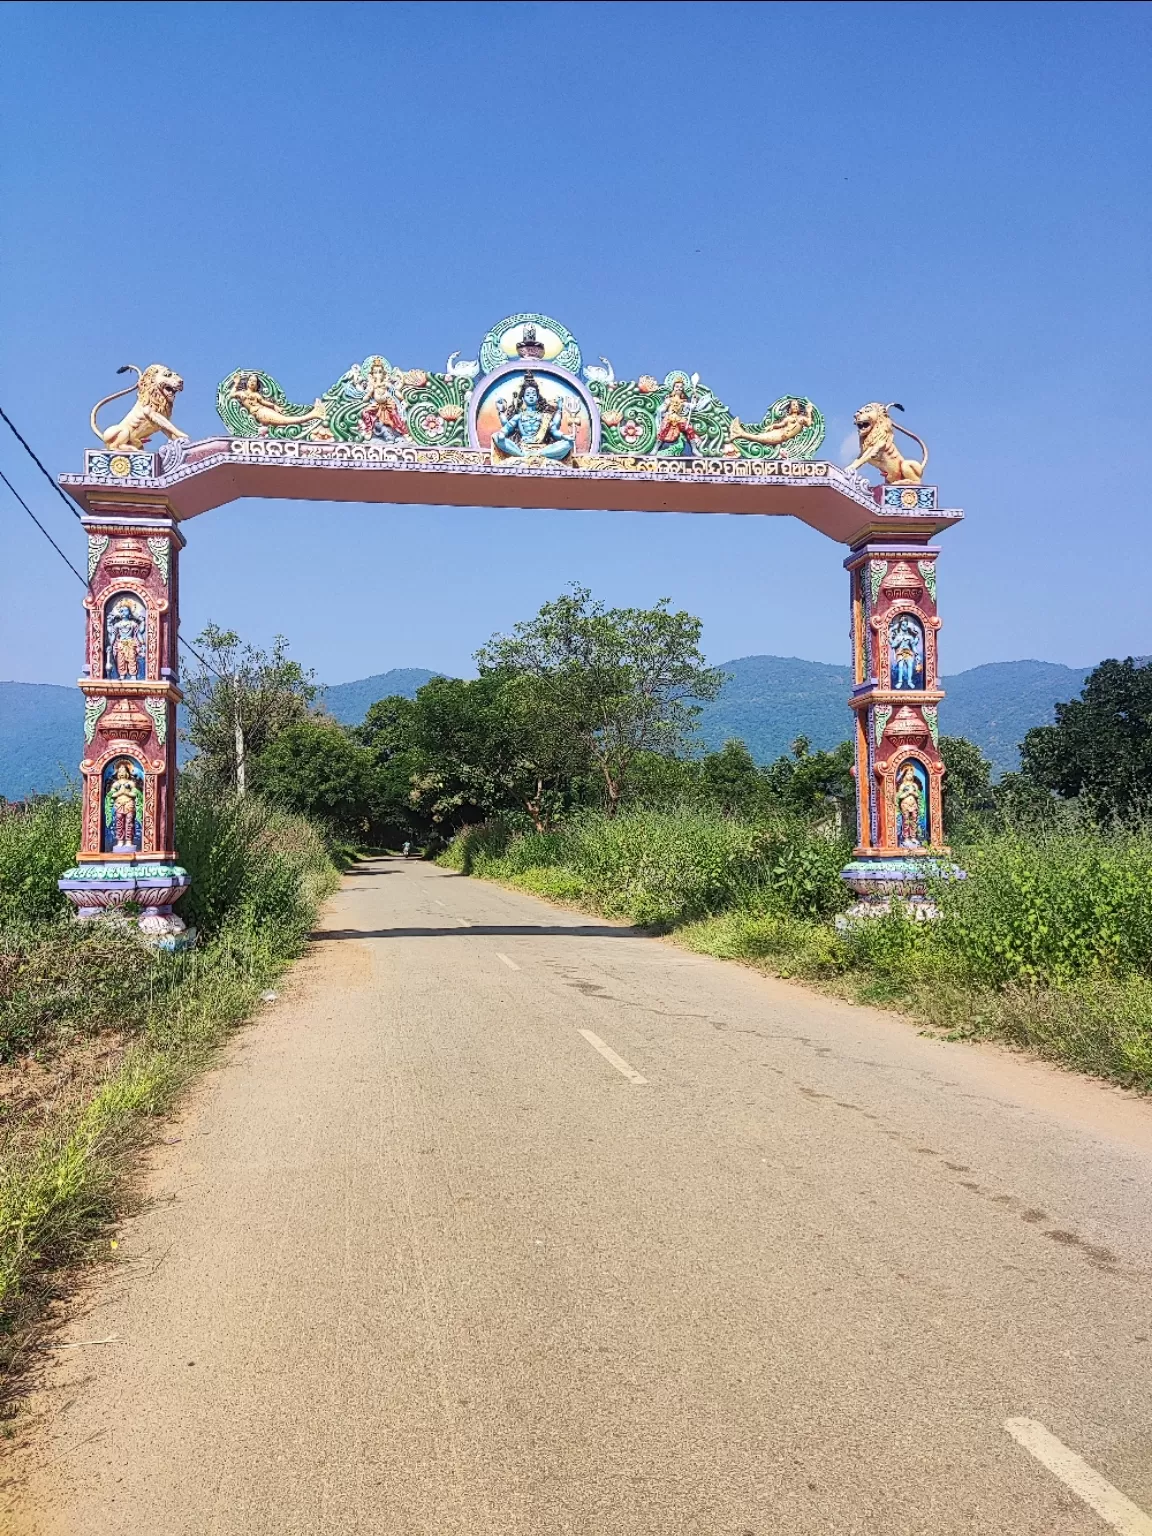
[[528, 426]]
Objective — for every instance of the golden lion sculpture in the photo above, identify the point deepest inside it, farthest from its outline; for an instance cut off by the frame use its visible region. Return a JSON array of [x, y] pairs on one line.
[[156, 391], [878, 445]]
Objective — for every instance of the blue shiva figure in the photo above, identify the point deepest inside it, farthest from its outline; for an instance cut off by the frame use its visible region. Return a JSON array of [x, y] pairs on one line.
[[528, 426], [906, 642]]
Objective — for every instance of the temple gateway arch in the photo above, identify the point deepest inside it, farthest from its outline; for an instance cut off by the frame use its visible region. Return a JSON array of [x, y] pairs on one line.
[[524, 424]]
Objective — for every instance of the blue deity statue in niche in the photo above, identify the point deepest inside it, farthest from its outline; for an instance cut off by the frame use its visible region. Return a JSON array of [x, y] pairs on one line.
[[912, 805], [906, 651], [529, 425], [123, 807], [125, 634]]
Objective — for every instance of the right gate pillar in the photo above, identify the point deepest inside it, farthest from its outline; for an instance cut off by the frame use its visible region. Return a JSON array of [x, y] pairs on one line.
[[895, 698]]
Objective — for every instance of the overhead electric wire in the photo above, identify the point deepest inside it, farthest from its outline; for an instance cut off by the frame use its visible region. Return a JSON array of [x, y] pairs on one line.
[[42, 529], [191, 649], [32, 454]]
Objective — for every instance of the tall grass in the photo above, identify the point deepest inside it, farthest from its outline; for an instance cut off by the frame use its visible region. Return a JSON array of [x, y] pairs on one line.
[[258, 876], [37, 844], [659, 868], [1046, 944]]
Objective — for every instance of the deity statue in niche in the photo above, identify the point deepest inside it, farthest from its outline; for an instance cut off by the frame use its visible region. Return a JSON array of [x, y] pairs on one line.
[[123, 806], [529, 426], [906, 652], [383, 415], [125, 633], [675, 433], [912, 805]]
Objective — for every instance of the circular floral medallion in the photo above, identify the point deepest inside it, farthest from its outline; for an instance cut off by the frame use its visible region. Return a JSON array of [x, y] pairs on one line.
[[120, 465]]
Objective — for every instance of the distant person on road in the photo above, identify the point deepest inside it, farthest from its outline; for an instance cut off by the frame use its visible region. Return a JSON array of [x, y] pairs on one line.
[[407, 849]]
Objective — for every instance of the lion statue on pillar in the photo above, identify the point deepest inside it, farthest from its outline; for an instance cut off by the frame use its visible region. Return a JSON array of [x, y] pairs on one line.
[[878, 445], [156, 391]]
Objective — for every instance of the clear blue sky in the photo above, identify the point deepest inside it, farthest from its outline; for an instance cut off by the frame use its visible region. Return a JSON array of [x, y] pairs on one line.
[[943, 204]]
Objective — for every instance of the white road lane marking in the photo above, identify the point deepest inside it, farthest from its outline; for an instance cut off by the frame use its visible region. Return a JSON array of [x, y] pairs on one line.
[[1085, 1482], [511, 964], [610, 1055]]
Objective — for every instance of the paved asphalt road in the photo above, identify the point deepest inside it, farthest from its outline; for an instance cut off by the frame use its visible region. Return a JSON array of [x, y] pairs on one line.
[[428, 1261]]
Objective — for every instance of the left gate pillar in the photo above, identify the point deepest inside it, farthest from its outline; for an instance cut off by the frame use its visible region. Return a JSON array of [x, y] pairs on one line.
[[127, 858]]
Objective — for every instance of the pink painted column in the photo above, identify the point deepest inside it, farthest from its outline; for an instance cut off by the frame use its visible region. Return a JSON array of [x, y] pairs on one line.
[[127, 855]]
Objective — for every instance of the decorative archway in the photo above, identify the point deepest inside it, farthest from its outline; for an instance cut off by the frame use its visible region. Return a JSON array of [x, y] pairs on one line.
[[523, 425]]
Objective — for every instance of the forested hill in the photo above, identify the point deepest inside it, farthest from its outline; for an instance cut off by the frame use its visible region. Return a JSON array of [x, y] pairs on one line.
[[770, 700], [767, 702], [350, 702]]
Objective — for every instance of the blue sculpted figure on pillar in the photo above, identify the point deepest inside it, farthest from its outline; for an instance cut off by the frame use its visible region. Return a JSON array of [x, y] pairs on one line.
[[906, 652], [125, 630]]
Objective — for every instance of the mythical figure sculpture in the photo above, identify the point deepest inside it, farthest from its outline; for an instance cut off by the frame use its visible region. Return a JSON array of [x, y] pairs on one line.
[[263, 410], [122, 808], [528, 426], [797, 416], [906, 646], [911, 810], [878, 445], [383, 415], [156, 390], [125, 637], [675, 433]]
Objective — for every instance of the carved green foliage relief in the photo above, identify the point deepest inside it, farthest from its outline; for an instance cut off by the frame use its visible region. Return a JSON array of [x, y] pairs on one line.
[[97, 544], [158, 710], [93, 709], [161, 553], [375, 401], [370, 401]]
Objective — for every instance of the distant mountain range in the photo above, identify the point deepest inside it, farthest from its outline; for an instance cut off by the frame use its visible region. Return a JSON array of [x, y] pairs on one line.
[[350, 702], [768, 701]]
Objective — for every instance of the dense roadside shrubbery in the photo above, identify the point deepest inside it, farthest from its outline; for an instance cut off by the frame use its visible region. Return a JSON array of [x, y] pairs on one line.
[[661, 868], [1047, 943], [258, 876]]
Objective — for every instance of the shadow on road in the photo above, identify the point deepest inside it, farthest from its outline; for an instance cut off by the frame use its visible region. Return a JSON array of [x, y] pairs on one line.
[[504, 930]]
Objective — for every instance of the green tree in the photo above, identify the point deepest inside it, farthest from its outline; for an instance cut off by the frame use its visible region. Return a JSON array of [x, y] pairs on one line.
[[815, 784], [624, 680], [238, 700], [969, 798], [500, 742], [316, 769], [731, 780], [1101, 744]]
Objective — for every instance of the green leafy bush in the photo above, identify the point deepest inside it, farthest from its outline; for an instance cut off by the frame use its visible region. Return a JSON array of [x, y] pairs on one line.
[[36, 846], [248, 861], [257, 874], [660, 868], [1051, 906]]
